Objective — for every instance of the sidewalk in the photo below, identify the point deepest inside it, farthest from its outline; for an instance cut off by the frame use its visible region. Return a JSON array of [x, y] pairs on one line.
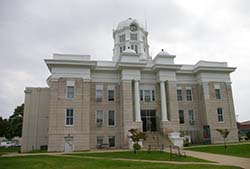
[[221, 159]]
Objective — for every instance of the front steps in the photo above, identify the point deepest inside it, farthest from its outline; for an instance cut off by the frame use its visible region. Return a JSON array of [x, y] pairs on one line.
[[156, 141]]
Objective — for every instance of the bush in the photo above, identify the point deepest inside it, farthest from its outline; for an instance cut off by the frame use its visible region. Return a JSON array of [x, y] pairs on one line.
[[136, 147], [248, 135], [186, 143]]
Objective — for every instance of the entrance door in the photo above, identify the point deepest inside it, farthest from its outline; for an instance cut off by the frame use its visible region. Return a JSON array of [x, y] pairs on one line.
[[148, 120], [68, 144]]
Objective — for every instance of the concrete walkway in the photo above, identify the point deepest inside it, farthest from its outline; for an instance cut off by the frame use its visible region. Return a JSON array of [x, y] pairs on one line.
[[139, 160], [221, 159]]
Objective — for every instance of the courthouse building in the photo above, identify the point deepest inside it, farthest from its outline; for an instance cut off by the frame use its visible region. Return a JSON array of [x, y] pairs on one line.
[[91, 103]]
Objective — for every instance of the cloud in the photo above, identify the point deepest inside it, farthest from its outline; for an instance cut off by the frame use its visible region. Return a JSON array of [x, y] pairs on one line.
[[193, 30]]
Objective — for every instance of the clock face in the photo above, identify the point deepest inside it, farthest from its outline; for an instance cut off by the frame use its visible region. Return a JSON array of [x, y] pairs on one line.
[[133, 28]]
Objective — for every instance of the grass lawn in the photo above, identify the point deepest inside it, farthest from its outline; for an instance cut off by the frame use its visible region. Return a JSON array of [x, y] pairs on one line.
[[154, 155], [240, 150], [4, 150], [52, 162]]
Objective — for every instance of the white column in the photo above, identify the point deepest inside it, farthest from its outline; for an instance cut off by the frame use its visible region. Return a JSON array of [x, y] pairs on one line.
[[137, 102], [164, 116]]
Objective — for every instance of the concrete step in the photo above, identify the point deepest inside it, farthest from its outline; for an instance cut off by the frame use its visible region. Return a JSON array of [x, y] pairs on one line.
[[156, 140]]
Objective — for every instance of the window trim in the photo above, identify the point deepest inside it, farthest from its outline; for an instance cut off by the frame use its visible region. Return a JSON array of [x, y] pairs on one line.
[[191, 95], [102, 119], [133, 35], [99, 87], [122, 38], [181, 96], [70, 83], [219, 94], [114, 119], [67, 92], [69, 125], [151, 99], [183, 116], [99, 137], [222, 114], [114, 141], [191, 121]]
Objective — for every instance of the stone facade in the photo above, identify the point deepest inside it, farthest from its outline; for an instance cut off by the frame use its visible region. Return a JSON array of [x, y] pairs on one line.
[[76, 113]]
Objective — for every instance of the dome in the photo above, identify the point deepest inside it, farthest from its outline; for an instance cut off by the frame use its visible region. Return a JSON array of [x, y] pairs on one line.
[[163, 53], [128, 22]]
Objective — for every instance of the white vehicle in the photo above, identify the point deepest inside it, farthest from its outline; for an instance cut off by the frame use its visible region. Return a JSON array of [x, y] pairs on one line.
[[6, 143]]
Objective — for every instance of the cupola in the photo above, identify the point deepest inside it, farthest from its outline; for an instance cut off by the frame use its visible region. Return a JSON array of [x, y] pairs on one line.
[[130, 35]]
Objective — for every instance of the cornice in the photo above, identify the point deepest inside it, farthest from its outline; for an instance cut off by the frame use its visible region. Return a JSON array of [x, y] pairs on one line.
[[137, 65], [54, 62], [158, 67], [201, 69]]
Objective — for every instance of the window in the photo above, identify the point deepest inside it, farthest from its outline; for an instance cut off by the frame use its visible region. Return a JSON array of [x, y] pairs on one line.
[[181, 116], [111, 93], [141, 95], [70, 89], [217, 91], [217, 94], [153, 95], [99, 118], [135, 48], [99, 93], [122, 38], [179, 94], [111, 141], [191, 117], [189, 94], [69, 117], [111, 118], [99, 140], [220, 115], [133, 36], [147, 95]]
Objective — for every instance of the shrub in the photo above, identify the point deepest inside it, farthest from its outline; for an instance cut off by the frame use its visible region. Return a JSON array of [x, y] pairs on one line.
[[248, 135], [186, 143]]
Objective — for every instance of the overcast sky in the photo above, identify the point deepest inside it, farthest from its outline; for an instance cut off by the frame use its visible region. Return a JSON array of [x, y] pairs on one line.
[[193, 30]]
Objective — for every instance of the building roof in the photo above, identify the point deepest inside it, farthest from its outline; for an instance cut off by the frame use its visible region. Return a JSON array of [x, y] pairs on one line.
[[163, 53], [245, 122], [127, 23]]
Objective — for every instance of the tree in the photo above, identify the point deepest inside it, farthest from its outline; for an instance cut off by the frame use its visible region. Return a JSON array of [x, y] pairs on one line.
[[3, 126], [224, 133], [136, 136], [16, 121], [12, 127]]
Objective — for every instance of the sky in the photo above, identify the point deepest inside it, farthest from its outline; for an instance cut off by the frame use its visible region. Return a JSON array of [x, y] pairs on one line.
[[193, 30]]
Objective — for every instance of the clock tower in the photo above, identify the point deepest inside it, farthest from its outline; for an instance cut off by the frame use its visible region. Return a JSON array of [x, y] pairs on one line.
[[130, 35]]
